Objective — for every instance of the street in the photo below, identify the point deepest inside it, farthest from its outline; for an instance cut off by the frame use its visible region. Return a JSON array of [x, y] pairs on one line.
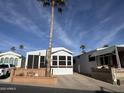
[[10, 88], [75, 83]]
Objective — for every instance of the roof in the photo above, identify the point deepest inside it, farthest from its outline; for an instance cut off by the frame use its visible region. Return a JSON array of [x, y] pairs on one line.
[[56, 49], [10, 52], [106, 50]]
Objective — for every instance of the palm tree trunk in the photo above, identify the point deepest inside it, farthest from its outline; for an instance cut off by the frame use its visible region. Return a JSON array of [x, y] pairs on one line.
[[50, 40]]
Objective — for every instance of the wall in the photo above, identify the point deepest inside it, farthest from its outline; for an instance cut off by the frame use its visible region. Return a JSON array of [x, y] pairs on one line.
[[82, 64], [63, 70], [12, 56], [37, 78], [30, 72]]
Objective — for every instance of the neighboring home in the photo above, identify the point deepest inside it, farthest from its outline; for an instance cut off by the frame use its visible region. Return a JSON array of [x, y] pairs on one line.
[[100, 58], [62, 60], [11, 58]]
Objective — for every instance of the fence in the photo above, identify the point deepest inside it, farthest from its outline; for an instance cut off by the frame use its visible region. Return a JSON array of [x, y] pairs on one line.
[[30, 72], [35, 76]]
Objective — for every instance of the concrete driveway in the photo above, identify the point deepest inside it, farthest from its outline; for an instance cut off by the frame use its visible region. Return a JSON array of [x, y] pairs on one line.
[[82, 82]]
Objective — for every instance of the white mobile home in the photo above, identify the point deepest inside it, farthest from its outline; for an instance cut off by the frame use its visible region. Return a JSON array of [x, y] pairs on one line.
[[108, 57], [62, 60], [10, 58]]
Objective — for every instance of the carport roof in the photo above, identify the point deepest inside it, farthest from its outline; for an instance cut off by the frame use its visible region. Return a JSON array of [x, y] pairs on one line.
[[106, 50]]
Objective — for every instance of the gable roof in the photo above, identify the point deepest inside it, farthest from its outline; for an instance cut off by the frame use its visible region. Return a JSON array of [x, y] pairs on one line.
[[54, 50], [10, 53]]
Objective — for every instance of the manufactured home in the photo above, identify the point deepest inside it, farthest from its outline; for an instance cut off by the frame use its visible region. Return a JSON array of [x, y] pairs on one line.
[[10, 58], [103, 57], [62, 60]]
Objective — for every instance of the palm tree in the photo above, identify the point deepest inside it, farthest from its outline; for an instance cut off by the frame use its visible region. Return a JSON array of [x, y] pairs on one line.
[[52, 3], [21, 46], [106, 45], [13, 49], [82, 47]]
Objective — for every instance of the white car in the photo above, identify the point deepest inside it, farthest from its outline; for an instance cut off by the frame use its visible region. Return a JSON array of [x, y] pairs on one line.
[[5, 69]]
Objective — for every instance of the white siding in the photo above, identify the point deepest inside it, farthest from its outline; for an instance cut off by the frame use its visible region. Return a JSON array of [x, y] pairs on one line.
[[12, 55], [83, 65], [62, 71], [55, 52]]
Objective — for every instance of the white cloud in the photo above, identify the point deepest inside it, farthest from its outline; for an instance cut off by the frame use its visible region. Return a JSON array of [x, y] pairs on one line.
[[7, 42], [110, 36], [64, 37], [10, 15]]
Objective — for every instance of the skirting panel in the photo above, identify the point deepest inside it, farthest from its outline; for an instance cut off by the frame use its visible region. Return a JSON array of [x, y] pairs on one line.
[[62, 71]]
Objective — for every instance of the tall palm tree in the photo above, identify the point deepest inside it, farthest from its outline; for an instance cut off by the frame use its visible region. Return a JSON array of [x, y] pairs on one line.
[[82, 47], [52, 3], [13, 49]]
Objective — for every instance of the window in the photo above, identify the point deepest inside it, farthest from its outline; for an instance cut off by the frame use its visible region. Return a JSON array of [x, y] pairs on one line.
[[54, 60], [11, 60], [104, 60], [74, 61], [11, 65], [6, 60], [2, 60], [54, 57], [62, 60], [69, 60], [91, 58], [30, 61], [4, 66], [36, 59], [16, 62], [42, 61]]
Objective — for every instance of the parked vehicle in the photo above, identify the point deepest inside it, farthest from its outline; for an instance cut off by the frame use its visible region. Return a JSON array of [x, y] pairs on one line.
[[5, 69]]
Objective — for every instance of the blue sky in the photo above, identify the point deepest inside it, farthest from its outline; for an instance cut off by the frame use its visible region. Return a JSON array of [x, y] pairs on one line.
[[93, 23]]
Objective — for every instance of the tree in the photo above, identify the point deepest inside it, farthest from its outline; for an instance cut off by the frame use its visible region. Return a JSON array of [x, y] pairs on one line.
[[21, 46], [13, 49], [52, 3], [82, 47], [106, 45]]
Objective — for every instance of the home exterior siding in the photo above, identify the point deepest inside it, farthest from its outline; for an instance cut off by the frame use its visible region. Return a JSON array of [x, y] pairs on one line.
[[82, 64], [105, 57], [11, 58], [62, 60]]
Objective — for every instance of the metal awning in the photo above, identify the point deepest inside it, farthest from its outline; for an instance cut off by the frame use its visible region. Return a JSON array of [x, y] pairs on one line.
[[103, 51]]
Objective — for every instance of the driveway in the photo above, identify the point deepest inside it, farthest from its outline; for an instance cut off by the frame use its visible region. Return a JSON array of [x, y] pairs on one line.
[[82, 82]]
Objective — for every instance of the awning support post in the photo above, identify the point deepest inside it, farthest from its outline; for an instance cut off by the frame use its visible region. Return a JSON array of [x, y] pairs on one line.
[[117, 57]]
